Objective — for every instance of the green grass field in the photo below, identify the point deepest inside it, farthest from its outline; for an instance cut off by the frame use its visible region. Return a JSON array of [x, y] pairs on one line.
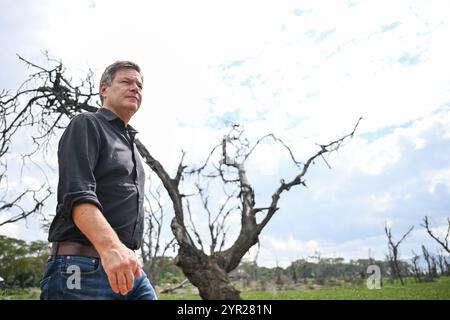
[[415, 291], [437, 290]]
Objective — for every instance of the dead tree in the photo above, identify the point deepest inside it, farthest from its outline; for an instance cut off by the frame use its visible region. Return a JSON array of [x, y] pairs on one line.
[[53, 99], [209, 272], [443, 264], [446, 261], [431, 264], [443, 243], [416, 270], [394, 253]]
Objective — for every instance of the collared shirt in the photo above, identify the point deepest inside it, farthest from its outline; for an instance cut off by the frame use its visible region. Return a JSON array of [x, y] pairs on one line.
[[99, 164]]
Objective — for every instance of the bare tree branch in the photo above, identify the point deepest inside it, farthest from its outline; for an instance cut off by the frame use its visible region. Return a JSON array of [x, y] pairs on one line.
[[328, 148], [443, 243], [51, 100], [16, 204], [182, 284]]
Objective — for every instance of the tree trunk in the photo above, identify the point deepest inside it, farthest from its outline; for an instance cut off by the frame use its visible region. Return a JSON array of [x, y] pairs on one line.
[[206, 273]]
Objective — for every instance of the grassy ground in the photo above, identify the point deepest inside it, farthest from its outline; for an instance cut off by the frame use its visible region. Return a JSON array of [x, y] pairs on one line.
[[19, 294], [437, 290]]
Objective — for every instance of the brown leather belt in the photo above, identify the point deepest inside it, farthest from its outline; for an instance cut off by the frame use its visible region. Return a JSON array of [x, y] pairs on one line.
[[69, 248]]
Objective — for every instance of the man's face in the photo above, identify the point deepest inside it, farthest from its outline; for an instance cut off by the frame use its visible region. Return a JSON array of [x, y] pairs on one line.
[[125, 93]]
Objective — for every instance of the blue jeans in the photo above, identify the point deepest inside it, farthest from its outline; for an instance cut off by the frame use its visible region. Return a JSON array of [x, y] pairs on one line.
[[83, 278]]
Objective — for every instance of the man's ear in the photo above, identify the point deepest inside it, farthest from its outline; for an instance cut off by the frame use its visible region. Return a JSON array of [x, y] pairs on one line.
[[103, 88]]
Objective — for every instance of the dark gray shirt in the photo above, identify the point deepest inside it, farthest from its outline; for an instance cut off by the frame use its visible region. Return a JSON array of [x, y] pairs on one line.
[[99, 164]]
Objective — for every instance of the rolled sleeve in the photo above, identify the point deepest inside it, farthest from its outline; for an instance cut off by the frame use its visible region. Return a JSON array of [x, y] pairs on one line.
[[71, 199], [78, 154]]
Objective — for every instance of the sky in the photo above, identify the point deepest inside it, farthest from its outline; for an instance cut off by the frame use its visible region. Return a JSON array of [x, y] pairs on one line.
[[303, 70]]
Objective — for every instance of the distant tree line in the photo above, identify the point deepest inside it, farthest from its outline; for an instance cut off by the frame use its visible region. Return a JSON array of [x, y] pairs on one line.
[[315, 270], [21, 263], [320, 271]]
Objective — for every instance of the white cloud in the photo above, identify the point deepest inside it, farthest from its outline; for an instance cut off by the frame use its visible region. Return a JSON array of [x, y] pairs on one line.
[[373, 158], [380, 203], [437, 178], [380, 151]]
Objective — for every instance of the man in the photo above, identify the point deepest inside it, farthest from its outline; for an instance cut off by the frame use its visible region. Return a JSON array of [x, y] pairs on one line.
[[99, 216]]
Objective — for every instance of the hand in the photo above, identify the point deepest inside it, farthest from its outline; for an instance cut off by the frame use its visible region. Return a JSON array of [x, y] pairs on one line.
[[121, 266], [119, 262]]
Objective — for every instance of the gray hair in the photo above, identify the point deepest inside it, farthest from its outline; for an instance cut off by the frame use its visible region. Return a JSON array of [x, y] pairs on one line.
[[110, 72]]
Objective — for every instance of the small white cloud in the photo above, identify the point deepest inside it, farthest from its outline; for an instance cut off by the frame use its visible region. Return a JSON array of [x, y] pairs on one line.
[[380, 203], [420, 143], [438, 178], [267, 159]]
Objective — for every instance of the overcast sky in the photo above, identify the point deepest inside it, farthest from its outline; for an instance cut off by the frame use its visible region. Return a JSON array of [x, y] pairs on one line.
[[304, 70]]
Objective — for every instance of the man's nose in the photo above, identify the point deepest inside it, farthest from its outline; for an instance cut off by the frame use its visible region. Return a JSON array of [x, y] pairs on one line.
[[134, 87]]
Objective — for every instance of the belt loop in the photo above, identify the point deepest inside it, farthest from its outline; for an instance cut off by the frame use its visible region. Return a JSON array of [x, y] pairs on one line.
[[55, 249]]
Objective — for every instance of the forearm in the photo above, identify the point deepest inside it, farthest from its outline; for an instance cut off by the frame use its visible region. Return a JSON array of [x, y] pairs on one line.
[[119, 262], [91, 222]]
